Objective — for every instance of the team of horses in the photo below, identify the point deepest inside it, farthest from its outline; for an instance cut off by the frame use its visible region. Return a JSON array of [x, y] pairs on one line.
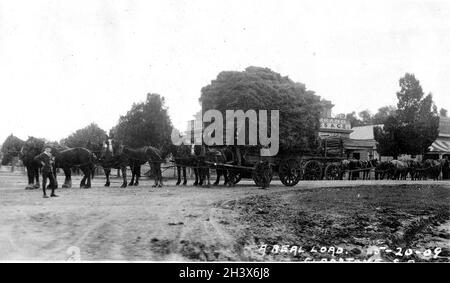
[[397, 169], [115, 155]]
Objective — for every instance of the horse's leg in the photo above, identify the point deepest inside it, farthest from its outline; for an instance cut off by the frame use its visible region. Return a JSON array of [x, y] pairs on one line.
[[107, 173], [133, 173], [89, 177], [218, 173], [184, 175], [124, 176], [83, 180], [155, 174], [207, 177], [158, 169], [67, 179], [35, 171], [138, 175], [202, 177], [178, 175], [196, 173], [86, 178], [30, 179]]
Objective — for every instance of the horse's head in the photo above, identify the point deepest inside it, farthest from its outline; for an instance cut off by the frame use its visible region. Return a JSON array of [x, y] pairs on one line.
[[30, 149], [373, 162], [117, 147], [107, 150]]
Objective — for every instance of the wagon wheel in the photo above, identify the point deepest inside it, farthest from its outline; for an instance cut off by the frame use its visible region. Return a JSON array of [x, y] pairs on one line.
[[262, 174], [332, 172], [234, 176], [290, 172], [312, 170]]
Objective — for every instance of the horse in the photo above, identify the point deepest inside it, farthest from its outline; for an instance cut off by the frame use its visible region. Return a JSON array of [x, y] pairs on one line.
[[414, 167], [384, 169], [445, 169], [400, 169], [367, 165], [140, 156], [183, 158], [227, 157], [352, 164], [432, 168], [200, 170], [28, 152], [110, 157], [78, 157]]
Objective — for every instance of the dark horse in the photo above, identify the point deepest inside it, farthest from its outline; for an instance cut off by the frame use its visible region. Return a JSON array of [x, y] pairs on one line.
[[65, 158], [226, 156], [183, 158], [76, 157], [31, 149], [350, 165], [115, 155], [140, 156], [203, 154], [201, 170], [110, 157]]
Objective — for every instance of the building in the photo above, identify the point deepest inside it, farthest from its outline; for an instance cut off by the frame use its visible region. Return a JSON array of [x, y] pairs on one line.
[[358, 142], [362, 144], [441, 146]]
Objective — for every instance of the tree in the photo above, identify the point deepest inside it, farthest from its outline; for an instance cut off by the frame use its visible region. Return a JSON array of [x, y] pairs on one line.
[[414, 126], [353, 119], [90, 137], [383, 114], [409, 98], [259, 88], [443, 112], [11, 148], [388, 137], [366, 117], [146, 123]]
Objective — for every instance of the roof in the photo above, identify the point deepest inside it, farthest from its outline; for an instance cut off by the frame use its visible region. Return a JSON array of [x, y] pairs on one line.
[[444, 127], [359, 144], [440, 145], [363, 132]]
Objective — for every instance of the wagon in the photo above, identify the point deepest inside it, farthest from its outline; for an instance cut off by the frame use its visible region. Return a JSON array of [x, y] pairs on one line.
[[291, 167]]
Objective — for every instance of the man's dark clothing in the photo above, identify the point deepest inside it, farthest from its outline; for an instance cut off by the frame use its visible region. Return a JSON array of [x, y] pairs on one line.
[[47, 171]]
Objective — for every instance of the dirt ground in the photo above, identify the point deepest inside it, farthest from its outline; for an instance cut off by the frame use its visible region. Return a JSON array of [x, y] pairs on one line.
[[226, 224]]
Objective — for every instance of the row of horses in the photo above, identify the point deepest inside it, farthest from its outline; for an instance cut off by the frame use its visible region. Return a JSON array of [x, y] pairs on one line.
[[115, 155], [397, 169]]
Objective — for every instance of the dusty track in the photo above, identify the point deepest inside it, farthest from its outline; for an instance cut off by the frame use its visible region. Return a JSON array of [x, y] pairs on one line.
[[144, 223]]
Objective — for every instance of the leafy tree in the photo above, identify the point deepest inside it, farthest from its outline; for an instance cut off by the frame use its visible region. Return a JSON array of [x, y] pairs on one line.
[[90, 137], [353, 119], [388, 137], [259, 88], [11, 148], [146, 123], [383, 114], [414, 126], [443, 112], [409, 98], [366, 117]]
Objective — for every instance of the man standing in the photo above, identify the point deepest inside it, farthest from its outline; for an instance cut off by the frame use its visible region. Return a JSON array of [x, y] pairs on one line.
[[47, 160]]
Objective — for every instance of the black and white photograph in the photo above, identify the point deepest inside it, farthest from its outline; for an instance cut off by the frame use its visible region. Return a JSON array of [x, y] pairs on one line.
[[225, 131]]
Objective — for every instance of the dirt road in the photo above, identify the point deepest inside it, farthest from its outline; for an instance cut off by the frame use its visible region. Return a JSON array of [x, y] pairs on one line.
[[139, 224]]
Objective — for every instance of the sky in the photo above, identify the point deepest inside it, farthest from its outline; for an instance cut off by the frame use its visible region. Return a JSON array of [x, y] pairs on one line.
[[65, 64]]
